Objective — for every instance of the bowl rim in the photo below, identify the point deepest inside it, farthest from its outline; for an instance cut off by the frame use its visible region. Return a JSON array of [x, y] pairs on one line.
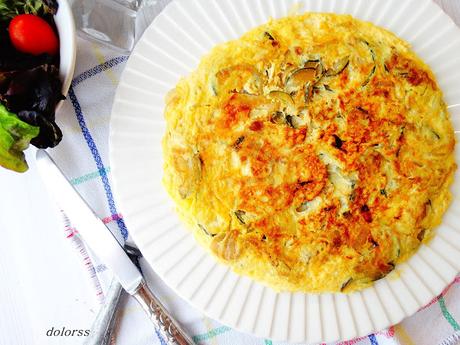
[[65, 25]]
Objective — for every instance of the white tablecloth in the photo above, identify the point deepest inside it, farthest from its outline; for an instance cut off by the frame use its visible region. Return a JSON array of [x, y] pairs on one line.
[[45, 286]]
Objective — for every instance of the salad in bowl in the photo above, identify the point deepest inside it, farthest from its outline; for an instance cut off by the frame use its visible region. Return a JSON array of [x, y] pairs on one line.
[[31, 85]]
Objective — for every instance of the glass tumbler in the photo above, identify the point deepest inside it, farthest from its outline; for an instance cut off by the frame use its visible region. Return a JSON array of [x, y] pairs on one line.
[[111, 22]]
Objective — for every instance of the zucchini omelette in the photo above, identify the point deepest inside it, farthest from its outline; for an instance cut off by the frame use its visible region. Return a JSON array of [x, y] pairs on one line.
[[313, 154]]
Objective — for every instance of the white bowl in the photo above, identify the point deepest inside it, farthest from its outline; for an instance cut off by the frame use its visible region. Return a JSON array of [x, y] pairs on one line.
[[68, 44]]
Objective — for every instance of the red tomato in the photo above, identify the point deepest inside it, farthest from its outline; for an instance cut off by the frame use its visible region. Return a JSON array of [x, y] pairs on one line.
[[33, 35]]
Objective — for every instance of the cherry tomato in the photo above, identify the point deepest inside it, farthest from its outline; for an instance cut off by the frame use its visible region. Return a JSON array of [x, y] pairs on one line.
[[33, 35]]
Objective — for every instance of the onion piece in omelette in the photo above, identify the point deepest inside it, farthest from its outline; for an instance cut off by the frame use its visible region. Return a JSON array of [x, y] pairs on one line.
[[314, 153]]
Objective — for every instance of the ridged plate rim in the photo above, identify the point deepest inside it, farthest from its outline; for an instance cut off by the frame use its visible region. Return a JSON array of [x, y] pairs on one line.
[[171, 47]]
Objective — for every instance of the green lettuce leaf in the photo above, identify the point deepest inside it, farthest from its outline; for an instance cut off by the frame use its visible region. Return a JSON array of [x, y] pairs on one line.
[[15, 136], [11, 8]]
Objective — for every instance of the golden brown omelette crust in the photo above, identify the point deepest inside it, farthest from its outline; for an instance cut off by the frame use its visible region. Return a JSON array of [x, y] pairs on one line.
[[314, 153]]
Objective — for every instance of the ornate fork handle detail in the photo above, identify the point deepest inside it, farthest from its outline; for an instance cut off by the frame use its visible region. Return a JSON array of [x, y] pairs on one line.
[[164, 323]]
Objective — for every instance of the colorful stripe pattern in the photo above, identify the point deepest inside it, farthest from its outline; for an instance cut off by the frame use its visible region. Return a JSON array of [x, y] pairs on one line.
[[98, 69], [162, 341], [373, 340], [111, 218], [211, 334], [447, 315], [77, 243], [87, 177], [98, 160]]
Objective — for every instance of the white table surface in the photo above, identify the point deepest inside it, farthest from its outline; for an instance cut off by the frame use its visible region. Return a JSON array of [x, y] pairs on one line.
[[42, 281]]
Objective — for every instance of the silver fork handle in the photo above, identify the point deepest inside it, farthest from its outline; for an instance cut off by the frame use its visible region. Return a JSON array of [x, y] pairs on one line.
[[103, 325], [172, 332]]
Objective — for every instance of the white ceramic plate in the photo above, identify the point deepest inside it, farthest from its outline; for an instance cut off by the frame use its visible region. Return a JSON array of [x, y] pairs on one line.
[[171, 48]]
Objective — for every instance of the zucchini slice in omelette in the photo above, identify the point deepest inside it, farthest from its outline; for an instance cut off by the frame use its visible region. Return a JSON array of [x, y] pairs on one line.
[[314, 153]]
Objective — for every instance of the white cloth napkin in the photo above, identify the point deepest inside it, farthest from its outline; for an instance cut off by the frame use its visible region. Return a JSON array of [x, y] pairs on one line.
[[83, 156]]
